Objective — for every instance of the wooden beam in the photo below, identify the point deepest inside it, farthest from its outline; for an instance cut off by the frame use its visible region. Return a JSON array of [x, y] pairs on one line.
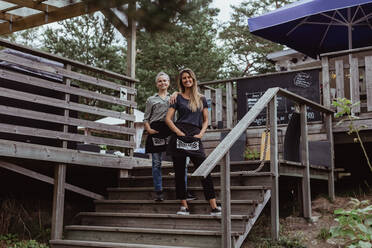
[[325, 84], [58, 201], [64, 60], [63, 72], [368, 73], [304, 145], [340, 84], [226, 202], [94, 126], [46, 179], [331, 176], [68, 156], [116, 22], [33, 5], [131, 43], [62, 104], [218, 112], [69, 11], [207, 94], [229, 105], [354, 85], [274, 168], [30, 80]]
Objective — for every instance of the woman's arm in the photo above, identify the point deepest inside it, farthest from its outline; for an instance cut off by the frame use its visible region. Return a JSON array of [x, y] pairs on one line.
[[204, 125], [169, 122]]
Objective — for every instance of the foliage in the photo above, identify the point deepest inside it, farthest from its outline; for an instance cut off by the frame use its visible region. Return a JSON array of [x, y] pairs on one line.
[[151, 15], [249, 52], [354, 227], [190, 42], [283, 242], [346, 106], [11, 241], [251, 154], [324, 234]]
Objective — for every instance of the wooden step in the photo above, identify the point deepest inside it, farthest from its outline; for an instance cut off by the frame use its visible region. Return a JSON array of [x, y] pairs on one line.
[[87, 244], [238, 207], [192, 238], [161, 221], [139, 193], [238, 178], [168, 168]]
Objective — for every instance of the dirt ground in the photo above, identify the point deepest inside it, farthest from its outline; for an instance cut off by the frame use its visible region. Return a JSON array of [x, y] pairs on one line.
[[298, 232]]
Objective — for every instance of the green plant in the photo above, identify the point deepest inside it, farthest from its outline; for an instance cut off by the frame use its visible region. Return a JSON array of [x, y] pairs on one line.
[[324, 234], [354, 227], [283, 242], [345, 106], [251, 154], [12, 241]]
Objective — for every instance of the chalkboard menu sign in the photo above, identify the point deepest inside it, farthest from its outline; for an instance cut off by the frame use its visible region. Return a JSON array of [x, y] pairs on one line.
[[304, 83]]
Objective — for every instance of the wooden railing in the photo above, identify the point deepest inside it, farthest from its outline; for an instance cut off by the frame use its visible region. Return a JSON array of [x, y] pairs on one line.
[[348, 74], [49, 105], [53, 101], [221, 154]]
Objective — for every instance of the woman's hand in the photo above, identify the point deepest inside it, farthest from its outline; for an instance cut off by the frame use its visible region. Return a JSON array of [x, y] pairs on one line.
[[199, 136], [180, 133], [173, 98], [152, 131]]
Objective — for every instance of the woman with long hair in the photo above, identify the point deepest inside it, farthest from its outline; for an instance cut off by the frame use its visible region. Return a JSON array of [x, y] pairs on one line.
[[191, 124]]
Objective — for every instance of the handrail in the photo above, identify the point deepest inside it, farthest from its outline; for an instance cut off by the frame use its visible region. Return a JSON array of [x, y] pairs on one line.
[[217, 154]]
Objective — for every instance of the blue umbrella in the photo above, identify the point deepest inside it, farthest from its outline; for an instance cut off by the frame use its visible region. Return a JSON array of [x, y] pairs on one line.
[[317, 26]]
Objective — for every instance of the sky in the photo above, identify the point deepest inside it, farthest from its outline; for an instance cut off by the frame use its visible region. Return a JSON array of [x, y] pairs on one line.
[[224, 6]]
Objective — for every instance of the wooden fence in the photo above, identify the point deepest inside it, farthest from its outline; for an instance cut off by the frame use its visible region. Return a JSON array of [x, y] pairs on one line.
[[348, 74], [49, 106]]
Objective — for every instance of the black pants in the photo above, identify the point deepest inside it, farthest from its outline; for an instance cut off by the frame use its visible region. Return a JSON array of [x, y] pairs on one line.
[[179, 164]]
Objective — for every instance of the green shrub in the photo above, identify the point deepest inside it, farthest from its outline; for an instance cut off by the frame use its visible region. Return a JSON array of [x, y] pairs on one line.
[[354, 227], [11, 241], [324, 234]]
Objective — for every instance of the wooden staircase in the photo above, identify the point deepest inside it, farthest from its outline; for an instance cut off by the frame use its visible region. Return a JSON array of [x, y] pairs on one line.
[[131, 218]]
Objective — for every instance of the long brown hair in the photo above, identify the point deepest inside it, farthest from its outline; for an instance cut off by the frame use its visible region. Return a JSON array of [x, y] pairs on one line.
[[195, 102]]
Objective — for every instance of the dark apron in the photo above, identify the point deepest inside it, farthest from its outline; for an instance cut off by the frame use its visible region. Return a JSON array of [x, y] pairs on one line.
[[180, 146], [158, 142]]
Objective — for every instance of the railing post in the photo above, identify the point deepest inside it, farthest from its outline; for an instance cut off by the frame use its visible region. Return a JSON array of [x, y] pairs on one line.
[[331, 178], [306, 193], [60, 180], [274, 168], [326, 87], [229, 105], [218, 107], [207, 94], [226, 202]]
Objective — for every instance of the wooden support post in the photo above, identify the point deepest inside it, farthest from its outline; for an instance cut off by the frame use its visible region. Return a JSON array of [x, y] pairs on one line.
[[331, 177], [131, 41], [340, 85], [304, 145], [207, 94], [368, 77], [60, 180], [229, 105], [326, 87], [274, 168], [218, 106], [226, 202], [354, 84]]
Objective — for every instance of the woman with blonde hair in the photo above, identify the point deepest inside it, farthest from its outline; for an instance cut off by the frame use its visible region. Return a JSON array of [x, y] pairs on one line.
[[189, 128]]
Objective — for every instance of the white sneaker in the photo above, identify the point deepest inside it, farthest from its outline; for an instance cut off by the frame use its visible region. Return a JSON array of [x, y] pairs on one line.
[[183, 211], [216, 211]]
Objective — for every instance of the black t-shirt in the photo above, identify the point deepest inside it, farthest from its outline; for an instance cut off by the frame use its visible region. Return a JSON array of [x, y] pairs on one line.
[[185, 115]]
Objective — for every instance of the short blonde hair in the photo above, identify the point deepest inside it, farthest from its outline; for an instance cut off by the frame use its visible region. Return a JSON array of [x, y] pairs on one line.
[[161, 74]]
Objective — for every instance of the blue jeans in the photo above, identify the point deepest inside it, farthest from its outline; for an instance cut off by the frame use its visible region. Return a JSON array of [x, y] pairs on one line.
[[156, 171]]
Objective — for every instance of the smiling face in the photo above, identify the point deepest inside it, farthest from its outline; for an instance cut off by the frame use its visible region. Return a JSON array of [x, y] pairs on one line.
[[162, 83], [187, 80]]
